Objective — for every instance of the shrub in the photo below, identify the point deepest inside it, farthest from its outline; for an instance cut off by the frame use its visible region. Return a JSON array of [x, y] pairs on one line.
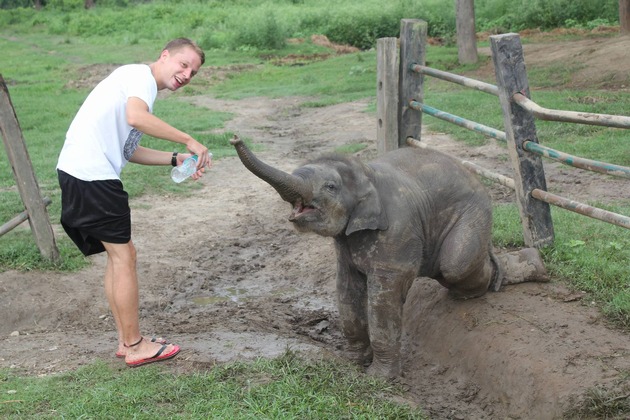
[[362, 29], [260, 30]]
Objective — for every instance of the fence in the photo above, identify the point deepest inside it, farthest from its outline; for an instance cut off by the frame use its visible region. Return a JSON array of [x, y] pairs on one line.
[[400, 106], [25, 180]]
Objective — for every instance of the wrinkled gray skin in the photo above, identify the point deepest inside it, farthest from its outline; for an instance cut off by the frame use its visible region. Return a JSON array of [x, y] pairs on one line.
[[409, 213]]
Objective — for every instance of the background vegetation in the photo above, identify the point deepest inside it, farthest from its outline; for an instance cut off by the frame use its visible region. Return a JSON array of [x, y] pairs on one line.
[[48, 57], [244, 24]]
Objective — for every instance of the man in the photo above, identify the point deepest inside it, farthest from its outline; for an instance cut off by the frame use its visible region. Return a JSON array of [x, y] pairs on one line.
[[102, 138]]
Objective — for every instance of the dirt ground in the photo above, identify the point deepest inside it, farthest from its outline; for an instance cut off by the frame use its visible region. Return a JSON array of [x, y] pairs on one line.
[[224, 275]]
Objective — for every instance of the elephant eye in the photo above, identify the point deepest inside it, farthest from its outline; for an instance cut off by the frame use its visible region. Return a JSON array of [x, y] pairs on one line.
[[330, 187]]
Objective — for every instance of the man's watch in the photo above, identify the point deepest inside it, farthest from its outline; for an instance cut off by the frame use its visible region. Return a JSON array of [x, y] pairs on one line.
[[174, 159]]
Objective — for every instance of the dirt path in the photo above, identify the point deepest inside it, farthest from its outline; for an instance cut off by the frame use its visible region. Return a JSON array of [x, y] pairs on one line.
[[224, 275]]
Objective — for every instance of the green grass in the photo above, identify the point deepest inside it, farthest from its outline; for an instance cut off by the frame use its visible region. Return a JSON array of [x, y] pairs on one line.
[[288, 387], [336, 80]]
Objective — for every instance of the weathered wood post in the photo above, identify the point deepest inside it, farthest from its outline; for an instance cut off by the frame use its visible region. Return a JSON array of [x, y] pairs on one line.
[[466, 34], [387, 94], [511, 75], [413, 38], [25, 177]]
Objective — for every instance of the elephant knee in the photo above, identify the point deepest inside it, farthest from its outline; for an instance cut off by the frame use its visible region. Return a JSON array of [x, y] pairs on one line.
[[471, 283]]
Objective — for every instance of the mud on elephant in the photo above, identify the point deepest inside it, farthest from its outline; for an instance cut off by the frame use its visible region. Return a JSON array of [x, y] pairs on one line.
[[410, 213]]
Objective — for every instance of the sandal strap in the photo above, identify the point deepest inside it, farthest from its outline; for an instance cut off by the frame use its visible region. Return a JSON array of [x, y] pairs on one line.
[[164, 346], [134, 344]]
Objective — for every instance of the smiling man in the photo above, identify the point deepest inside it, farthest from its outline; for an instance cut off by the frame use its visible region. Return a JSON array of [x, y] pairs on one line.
[[103, 137]]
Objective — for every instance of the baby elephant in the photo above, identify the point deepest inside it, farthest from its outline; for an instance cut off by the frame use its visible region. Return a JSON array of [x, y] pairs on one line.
[[410, 213]]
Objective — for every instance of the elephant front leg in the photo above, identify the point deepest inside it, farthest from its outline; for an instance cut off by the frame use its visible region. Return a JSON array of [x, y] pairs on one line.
[[386, 297], [352, 306]]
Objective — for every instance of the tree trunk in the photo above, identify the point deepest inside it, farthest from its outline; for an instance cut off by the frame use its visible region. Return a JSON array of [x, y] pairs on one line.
[[38, 4], [624, 16], [466, 36], [89, 4]]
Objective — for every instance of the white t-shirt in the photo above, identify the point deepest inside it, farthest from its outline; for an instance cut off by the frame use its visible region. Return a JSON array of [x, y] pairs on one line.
[[99, 142]]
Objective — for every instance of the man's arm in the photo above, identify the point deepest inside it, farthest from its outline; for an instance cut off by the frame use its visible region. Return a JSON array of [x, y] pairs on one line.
[[147, 156], [139, 117]]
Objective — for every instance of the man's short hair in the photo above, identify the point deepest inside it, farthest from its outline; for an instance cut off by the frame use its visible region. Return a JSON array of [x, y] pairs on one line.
[[179, 43]]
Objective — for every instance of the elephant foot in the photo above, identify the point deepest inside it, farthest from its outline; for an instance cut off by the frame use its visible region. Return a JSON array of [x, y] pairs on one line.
[[523, 266], [381, 370], [359, 353]]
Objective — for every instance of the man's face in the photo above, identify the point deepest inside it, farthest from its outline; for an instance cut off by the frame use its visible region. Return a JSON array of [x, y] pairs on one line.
[[178, 68]]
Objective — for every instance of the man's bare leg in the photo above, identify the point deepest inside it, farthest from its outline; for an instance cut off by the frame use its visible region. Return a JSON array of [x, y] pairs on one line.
[[121, 288], [109, 292]]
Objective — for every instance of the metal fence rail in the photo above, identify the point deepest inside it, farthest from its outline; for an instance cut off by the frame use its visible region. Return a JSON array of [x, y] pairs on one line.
[[606, 120], [455, 78], [459, 121], [583, 209], [578, 162]]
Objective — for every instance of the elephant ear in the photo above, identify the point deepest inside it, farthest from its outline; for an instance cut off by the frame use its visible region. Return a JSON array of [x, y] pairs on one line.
[[368, 213]]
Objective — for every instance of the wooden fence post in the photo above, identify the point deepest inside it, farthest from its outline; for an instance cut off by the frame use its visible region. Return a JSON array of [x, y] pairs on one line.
[[25, 176], [511, 75], [387, 94], [413, 37]]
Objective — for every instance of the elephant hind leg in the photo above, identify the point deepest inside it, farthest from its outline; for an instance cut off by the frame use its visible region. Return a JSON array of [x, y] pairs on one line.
[[522, 266], [467, 265], [476, 283]]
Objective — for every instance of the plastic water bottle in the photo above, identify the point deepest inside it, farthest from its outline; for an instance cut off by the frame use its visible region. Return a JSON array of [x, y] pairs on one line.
[[186, 169]]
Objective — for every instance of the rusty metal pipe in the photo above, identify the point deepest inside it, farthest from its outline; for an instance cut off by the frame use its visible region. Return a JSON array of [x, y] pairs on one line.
[[454, 78], [588, 118], [583, 209]]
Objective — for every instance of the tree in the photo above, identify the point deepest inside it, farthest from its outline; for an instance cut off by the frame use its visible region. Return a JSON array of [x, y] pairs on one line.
[[466, 35], [624, 16], [89, 4]]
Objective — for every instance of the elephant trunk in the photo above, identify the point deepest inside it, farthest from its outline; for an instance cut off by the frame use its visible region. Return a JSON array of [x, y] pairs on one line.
[[290, 187]]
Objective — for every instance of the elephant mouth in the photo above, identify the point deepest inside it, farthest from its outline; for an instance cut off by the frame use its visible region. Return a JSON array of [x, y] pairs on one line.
[[300, 211]]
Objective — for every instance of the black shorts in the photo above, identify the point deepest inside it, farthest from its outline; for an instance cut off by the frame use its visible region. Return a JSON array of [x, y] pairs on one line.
[[93, 212]]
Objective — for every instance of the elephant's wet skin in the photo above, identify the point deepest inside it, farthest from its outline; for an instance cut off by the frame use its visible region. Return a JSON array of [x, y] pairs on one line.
[[410, 213]]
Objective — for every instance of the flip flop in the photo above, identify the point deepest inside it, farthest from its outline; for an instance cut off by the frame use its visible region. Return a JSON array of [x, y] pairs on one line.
[[159, 340], [157, 358]]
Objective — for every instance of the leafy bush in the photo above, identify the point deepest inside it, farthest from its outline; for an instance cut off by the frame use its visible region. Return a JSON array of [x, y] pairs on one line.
[[362, 29], [256, 25], [505, 15], [262, 30]]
